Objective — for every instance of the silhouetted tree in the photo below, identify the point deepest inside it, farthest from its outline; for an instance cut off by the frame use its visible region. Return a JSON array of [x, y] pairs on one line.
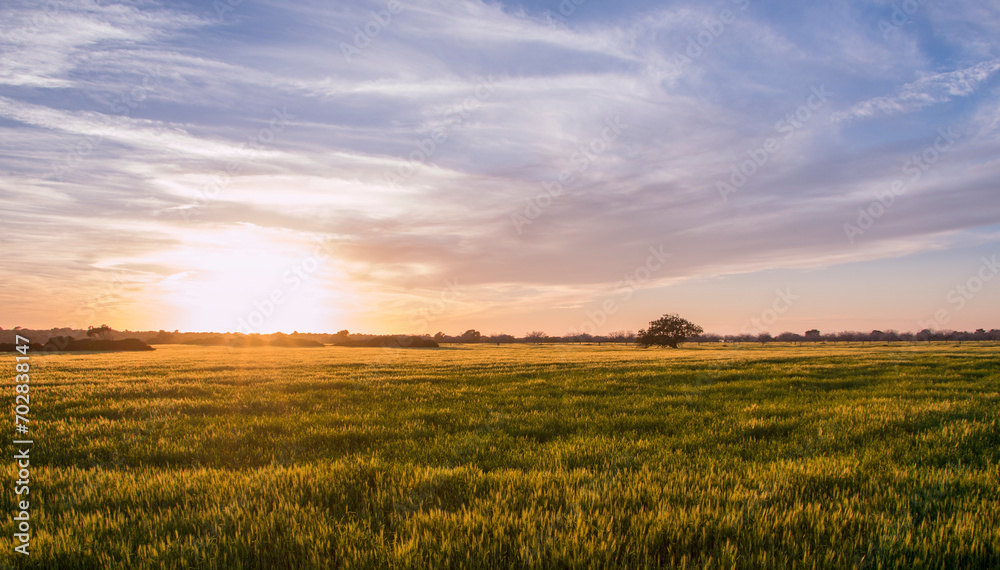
[[499, 338], [619, 336], [471, 335], [708, 337], [535, 337], [668, 330], [163, 337], [102, 332], [788, 337]]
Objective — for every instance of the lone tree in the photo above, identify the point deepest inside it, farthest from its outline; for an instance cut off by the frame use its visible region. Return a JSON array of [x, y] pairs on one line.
[[103, 332], [668, 330], [535, 337]]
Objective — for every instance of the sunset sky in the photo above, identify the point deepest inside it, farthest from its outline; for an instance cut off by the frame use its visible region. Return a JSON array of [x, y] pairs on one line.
[[444, 165]]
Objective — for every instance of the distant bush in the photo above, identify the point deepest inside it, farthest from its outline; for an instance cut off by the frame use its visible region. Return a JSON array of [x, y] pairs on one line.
[[295, 342], [67, 344], [391, 341], [247, 341], [213, 340]]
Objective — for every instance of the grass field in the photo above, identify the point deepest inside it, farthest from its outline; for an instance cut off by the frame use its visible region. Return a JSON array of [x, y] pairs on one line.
[[817, 456]]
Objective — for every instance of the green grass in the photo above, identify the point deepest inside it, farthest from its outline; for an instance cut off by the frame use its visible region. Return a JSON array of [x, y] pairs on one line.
[[817, 456]]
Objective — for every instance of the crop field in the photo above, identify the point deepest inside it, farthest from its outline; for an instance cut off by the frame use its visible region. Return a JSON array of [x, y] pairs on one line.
[[516, 456]]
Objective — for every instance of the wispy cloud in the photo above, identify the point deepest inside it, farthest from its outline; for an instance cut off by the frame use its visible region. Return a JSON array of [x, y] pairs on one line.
[[154, 104], [927, 91]]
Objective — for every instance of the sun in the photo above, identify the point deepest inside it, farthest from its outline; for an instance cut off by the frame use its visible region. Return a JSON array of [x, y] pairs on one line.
[[255, 286]]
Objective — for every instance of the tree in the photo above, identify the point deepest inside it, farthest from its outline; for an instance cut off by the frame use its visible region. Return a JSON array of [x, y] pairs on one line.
[[471, 335], [617, 336], [163, 337], [535, 337], [102, 332], [501, 338], [668, 330], [788, 337]]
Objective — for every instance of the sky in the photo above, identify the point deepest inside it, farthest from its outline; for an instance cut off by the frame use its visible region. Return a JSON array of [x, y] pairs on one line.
[[563, 166]]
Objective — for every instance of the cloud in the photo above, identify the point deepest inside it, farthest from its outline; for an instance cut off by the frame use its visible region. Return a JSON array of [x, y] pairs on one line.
[[413, 156], [925, 92]]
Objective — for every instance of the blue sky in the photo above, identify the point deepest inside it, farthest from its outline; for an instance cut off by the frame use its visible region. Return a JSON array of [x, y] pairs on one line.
[[444, 165]]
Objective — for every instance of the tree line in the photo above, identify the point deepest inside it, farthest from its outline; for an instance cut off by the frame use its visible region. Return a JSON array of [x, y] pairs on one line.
[[813, 335], [472, 336]]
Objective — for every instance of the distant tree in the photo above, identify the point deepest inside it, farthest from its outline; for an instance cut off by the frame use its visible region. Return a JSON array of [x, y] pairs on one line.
[[535, 337], [471, 335], [499, 338], [788, 337], [668, 330], [847, 336], [439, 337], [103, 332], [813, 335], [163, 337], [617, 336], [58, 343], [709, 337], [764, 338]]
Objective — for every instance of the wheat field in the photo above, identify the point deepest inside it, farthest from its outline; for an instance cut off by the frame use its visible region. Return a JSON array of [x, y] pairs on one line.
[[516, 456]]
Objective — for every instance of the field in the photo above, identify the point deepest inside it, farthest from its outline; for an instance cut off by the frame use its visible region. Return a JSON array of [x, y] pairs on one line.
[[547, 456]]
